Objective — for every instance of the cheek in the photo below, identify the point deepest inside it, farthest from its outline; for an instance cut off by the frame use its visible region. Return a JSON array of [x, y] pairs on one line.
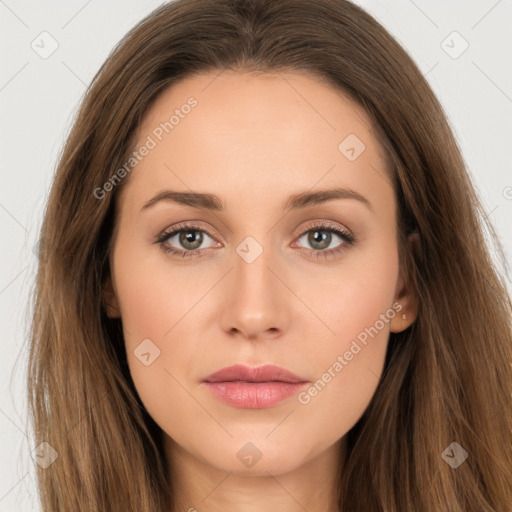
[[157, 306], [154, 295], [351, 299], [352, 355]]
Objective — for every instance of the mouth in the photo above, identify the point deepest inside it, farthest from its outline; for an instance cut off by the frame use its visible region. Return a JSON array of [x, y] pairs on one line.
[[254, 388]]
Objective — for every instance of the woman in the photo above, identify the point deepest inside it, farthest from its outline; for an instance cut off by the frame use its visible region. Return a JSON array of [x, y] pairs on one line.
[[265, 282]]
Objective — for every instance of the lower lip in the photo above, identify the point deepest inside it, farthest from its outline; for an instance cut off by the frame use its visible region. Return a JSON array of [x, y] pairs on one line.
[[254, 395]]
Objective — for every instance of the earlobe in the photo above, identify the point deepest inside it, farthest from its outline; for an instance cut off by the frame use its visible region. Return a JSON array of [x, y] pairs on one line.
[[110, 302], [405, 295], [406, 316]]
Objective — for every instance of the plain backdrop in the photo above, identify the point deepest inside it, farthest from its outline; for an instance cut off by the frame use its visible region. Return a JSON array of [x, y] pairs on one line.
[[462, 47]]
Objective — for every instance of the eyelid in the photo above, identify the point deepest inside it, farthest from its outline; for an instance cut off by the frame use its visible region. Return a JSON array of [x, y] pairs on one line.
[[192, 225], [324, 224], [198, 225]]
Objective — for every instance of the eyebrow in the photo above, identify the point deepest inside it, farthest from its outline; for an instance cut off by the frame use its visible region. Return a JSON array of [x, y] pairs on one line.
[[296, 201]]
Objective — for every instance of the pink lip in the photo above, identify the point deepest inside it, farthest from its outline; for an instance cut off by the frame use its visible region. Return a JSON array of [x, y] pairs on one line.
[[253, 388]]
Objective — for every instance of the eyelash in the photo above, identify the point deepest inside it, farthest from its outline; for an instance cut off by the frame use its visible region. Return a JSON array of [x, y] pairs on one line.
[[349, 240]]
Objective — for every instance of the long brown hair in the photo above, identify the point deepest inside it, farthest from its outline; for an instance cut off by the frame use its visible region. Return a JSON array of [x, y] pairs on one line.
[[448, 378]]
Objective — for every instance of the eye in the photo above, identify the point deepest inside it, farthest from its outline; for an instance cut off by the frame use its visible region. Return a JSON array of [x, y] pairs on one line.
[[321, 235], [189, 237]]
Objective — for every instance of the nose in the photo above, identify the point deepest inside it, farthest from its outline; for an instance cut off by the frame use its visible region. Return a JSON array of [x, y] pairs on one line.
[[256, 300]]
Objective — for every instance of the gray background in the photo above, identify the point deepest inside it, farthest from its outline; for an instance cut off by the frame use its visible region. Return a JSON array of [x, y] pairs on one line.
[[39, 98]]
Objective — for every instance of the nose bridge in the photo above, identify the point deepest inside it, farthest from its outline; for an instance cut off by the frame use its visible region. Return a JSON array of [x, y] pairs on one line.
[[256, 302], [253, 279]]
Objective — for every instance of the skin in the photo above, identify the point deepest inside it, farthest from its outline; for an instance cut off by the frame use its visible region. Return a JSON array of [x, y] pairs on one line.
[[254, 140]]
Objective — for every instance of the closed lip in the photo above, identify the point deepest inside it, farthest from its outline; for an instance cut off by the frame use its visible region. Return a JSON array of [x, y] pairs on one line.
[[265, 373]]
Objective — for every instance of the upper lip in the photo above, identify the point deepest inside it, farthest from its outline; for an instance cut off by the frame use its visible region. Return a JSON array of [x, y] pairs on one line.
[[265, 373]]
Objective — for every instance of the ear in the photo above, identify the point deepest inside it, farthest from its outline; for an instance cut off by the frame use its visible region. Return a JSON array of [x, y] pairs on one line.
[[110, 301], [405, 295]]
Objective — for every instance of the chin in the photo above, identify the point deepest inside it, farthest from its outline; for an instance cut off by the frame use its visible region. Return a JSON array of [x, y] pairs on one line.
[[258, 457]]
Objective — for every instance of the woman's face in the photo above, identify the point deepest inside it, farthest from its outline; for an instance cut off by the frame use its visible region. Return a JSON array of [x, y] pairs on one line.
[[289, 257]]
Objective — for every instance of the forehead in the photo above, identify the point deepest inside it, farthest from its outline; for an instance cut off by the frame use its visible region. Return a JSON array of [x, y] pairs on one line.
[[258, 133]]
